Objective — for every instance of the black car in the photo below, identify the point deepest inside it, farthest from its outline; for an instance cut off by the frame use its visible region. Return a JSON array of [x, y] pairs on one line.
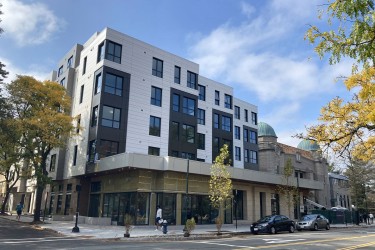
[[273, 224]]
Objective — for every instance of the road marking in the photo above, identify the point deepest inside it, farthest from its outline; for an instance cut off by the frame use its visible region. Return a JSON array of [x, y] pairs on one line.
[[36, 241], [15, 239], [220, 244], [359, 246], [279, 241]]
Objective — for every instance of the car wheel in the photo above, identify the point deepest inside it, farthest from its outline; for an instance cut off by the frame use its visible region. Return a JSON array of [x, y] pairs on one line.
[[328, 226], [316, 227], [291, 229], [272, 230]]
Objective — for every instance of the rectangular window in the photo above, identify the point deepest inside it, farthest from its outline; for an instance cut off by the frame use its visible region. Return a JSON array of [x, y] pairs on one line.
[[177, 74], [157, 67], [188, 106], [75, 155], [237, 112], [92, 151], [228, 101], [246, 116], [226, 123], [188, 133], [192, 80], [246, 157], [111, 117], [253, 157], [201, 141], [155, 124], [174, 153], [107, 148], [253, 137], [201, 116], [100, 52], [153, 151], [176, 103], [202, 92], [156, 94], [246, 135], [94, 116], [237, 132], [113, 52], [185, 155], [59, 73], [217, 97], [52, 164], [98, 83], [70, 62], [237, 153], [216, 145], [81, 93], [78, 124], [113, 84], [62, 82], [175, 131], [216, 121], [84, 65], [254, 118]]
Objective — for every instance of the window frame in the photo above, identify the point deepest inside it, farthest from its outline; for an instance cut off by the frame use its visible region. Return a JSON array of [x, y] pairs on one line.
[[237, 132], [156, 96], [253, 137], [237, 153], [177, 77], [253, 157], [201, 138], [188, 106], [192, 80], [201, 116], [201, 92], [115, 112], [115, 55], [95, 116], [81, 93], [156, 71], [188, 133], [155, 125], [227, 101], [237, 112], [75, 151], [98, 83], [176, 106], [84, 65], [216, 121], [254, 118], [226, 123], [217, 97], [153, 150], [52, 164], [118, 84], [69, 64]]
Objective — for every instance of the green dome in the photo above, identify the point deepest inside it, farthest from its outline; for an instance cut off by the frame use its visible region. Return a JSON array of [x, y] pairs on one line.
[[265, 130], [308, 145]]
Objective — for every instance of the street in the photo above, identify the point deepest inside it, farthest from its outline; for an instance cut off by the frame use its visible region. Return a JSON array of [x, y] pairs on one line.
[[15, 235]]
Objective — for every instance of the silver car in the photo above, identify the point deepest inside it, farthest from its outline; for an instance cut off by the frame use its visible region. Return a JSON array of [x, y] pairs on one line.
[[313, 222]]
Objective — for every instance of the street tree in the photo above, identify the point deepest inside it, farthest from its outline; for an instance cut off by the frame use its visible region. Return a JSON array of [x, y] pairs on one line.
[[348, 127], [42, 116]]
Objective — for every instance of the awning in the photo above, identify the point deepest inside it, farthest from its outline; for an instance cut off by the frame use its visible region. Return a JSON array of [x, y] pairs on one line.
[[314, 203]]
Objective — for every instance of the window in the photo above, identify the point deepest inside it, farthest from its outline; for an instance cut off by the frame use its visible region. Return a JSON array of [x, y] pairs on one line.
[[113, 84], [237, 112], [226, 123], [216, 121], [78, 123], [59, 73], [188, 106], [155, 123], [254, 119], [246, 115], [216, 145], [298, 157], [237, 153], [175, 130], [111, 117], [156, 96], [75, 155], [98, 83], [95, 187], [192, 80], [174, 153], [176, 103], [253, 137], [246, 135], [84, 65], [201, 141], [94, 117], [201, 116], [108, 148], [70, 62], [153, 151], [100, 52], [253, 157], [217, 97], [177, 74], [92, 151], [187, 155], [81, 93], [113, 52], [62, 82], [202, 92], [246, 155], [237, 132], [157, 67], [188, 133], [52, 164], [228, 101]]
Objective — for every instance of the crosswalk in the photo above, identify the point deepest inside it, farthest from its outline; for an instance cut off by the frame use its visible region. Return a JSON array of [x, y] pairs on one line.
[[14, 241]]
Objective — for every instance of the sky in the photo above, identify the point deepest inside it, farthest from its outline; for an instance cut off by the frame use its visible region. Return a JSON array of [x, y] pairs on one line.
[[255, 46]]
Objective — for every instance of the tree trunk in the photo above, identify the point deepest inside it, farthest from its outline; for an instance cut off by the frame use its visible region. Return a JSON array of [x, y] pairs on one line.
[[7, 192], [38, 202]]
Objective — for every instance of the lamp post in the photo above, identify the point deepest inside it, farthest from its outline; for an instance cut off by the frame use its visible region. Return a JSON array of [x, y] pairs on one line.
[[76, 228]]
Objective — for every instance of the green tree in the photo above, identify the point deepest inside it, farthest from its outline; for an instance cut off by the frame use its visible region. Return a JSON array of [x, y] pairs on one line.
[[42, 116]]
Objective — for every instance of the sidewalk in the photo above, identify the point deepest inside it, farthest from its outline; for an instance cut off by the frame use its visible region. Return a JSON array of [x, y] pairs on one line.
[[147, 232]]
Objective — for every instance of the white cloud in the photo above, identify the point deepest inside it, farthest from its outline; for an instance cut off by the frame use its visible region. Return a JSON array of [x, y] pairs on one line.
[[38, 72], [29, 24], [247, 9]]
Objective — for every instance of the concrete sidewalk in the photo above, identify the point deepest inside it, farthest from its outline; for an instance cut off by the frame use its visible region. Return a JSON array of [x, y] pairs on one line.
[[146, 232]]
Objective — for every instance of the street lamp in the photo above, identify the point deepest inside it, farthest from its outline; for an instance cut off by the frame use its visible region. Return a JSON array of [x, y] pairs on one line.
[[76, 228]]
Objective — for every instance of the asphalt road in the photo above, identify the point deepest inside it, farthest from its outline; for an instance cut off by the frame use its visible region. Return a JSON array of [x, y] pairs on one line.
[[15, 235]]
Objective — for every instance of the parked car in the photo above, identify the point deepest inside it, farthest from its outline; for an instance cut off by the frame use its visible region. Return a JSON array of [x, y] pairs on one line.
[[313, 222], [273, 224]]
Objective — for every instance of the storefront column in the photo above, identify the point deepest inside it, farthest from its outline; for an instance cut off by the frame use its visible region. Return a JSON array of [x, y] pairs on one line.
[[179, 208], [153, 200]]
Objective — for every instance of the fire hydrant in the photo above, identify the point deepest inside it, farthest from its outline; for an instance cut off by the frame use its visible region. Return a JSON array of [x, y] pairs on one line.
[[165, 226]]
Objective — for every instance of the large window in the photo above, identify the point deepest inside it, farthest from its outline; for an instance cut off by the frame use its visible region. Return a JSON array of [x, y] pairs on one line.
[[153, 151], [192, 80], [113, 84], [75, 151], [94, 116], [176, 103], [186, 155], [216, 121], [98, 83], [175, 131], [201, 117], [237, 112], [81, 93], [188, 106], [253, 156], [246, 155], [52, 164], [84, 65], [202, 92], [108, 148], [111, 117], [254, 118], [188, 133], [228, 101], [246, 115], [201, 141], [155, 124], [217, 97], [111, 50], [253, 137], [237, 133], [237, 153], [177, 74], [157, 67], [100, 52], [156, 94], [226, 123], [246, 135], [70, 62]]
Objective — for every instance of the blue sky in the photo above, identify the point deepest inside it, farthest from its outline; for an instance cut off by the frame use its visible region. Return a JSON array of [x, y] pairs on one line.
[[257, 47]]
